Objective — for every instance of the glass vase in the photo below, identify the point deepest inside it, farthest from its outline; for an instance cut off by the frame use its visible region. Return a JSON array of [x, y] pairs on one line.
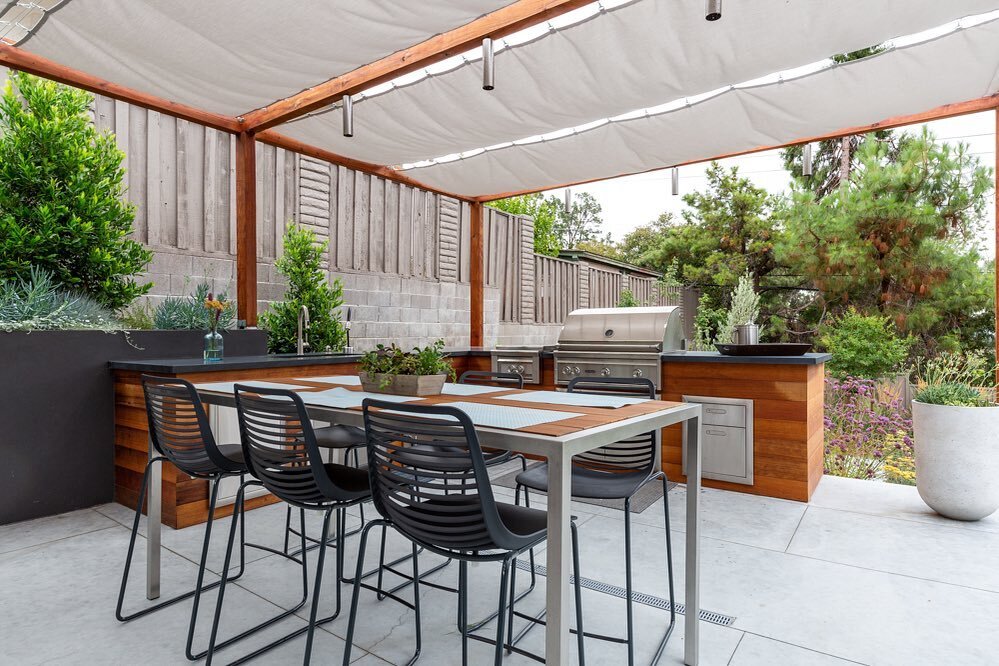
[[213, 347]]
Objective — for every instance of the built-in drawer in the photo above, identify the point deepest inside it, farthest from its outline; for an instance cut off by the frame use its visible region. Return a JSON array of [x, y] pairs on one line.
[[724, 451], [723, 415], [726, 438]]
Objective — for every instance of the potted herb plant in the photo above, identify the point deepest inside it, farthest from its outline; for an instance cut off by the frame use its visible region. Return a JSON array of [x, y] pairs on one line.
[[419, 372], [954, 427]]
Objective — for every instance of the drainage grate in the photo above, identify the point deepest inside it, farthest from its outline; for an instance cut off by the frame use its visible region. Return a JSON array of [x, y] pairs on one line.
[[639, 597]]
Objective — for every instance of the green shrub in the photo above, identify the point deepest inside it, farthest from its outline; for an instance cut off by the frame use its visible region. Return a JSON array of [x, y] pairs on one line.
[[745, 309], [952, 394], [392, 360], [863, 345], [189, 312], [62, 205], [137, 317], [628, 300], [39, 304], [301, 264]]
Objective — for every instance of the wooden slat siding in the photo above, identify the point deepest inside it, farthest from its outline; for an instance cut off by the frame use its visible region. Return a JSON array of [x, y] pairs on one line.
[[214, 205], [787, 422], [556, 289], [405, 245], [344, 230], [584, 288], [362, 196], [527, 270], [392, 217], [152, 178], [417, 231], [464, 242], [604, 288], [376, 221], [448, 223]]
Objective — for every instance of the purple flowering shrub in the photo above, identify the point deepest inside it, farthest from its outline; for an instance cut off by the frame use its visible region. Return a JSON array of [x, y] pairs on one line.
[[866, 429]]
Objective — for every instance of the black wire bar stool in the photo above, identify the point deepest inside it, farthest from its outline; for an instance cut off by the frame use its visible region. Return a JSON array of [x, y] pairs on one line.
[[616, 471], [429, 481], [334, 437], [491, 457], [281, 452], [180, 434]]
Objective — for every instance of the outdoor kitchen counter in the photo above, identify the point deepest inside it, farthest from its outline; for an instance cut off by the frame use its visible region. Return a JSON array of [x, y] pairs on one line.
[[782, 419], [185, 500], [714, 357]]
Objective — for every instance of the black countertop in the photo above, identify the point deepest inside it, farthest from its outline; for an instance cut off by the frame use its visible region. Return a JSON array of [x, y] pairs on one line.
[[811, 358], [197, 364], [191, 365]]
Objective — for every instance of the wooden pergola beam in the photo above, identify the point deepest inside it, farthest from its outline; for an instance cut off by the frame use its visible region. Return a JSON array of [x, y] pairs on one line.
[[979, 105], [273, 138], [476, 265], [502, 22], [15, 58], [246, 228]]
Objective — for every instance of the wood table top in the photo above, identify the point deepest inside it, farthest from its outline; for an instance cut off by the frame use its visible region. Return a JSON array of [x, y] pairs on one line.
[[583, 417]]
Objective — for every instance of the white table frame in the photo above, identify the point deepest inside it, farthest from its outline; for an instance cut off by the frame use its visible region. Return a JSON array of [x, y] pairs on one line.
[[558, 451]]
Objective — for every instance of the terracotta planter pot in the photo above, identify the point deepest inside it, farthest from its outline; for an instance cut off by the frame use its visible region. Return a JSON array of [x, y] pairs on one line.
[[957, 459], [404, 384]]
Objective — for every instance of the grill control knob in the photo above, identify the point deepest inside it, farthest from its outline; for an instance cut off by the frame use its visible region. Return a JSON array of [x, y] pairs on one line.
[[566, 370], [575, 369], [605, 372], [637, 373], [520, 369]]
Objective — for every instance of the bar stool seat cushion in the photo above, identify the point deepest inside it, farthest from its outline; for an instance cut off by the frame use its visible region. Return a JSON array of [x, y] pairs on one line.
[[340, 436], [354, 480], [588, 483], [233, 452], [522, 520]]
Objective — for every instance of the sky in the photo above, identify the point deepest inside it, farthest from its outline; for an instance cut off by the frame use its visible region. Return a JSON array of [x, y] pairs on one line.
[[632, 201]]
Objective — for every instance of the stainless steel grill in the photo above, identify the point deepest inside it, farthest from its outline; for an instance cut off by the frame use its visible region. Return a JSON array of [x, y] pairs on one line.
[[617, 342], [520, 360]]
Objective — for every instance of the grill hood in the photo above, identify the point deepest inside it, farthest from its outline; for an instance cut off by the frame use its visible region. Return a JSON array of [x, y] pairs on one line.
[[658, 327]]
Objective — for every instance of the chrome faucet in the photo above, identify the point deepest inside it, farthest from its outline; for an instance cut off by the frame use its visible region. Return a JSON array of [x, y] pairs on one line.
[[303, 327]]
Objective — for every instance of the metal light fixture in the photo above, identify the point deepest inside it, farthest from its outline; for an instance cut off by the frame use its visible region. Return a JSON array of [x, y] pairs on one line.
[[348, 115], [488, 65], [568, 200], [806, 160], [675, 174], [712, 10]]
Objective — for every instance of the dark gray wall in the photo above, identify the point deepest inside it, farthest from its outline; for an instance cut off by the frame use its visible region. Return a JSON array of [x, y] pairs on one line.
[[57, 412]]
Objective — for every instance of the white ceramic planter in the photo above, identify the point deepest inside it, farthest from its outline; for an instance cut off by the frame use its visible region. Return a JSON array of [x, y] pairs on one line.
[[957, 459]]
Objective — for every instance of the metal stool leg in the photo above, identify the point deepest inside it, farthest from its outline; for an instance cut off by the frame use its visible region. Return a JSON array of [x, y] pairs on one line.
[[627, 581], [578, 590], [318, 586], [131, 551], [501, 613]]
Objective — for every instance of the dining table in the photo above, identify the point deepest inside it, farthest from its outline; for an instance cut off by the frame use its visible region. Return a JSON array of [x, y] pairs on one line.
[[553, 425]]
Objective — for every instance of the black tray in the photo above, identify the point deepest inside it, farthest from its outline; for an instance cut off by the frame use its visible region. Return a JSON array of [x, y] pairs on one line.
[[765, 349]]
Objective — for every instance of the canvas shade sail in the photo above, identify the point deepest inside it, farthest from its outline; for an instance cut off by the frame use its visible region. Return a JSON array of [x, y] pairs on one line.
[[233, 56], [637, 55], [598, 62], [953, 68]]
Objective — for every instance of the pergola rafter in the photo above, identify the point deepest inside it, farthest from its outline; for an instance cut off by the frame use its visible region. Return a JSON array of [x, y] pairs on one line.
[[517, 16]]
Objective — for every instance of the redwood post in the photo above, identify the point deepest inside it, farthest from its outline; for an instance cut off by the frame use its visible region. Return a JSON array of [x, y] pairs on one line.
[[246, 228], [476, 262]]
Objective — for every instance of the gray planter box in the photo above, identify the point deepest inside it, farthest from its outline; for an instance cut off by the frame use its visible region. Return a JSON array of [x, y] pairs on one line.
[[57, 412]]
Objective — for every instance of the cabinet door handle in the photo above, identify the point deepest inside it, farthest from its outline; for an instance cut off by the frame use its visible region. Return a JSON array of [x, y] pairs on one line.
[[715, 410], [720, 433]]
